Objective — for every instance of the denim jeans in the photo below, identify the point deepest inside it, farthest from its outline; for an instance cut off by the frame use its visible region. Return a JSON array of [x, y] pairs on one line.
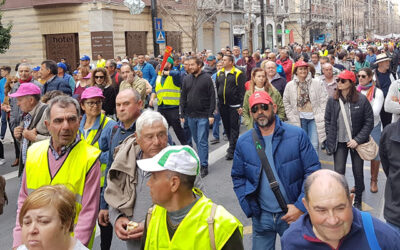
[[217, 122], [199, 128], [188, 134], [265, 229], [395, 227], [3, 124], [310, 128]]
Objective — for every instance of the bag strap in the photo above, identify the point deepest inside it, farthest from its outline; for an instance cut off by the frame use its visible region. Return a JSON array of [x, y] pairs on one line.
[[99, 130], [210, 221], [38, 116], [268, 171], [369, 231], [346, 121]]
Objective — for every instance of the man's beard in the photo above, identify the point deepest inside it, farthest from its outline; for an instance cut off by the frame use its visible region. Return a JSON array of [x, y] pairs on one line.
[[266, 122]]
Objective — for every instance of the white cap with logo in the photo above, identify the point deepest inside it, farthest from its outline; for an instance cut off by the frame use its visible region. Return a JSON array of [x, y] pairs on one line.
[[181, 159]]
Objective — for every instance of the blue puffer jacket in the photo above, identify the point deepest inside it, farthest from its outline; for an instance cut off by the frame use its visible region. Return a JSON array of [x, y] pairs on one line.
[[294, 157], [149, 73], [57, 83]]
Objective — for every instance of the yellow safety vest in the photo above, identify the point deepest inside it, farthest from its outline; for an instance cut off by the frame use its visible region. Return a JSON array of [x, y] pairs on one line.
[[89, 140], [235, 71], [168, 94], [72, 173], [192, 233]]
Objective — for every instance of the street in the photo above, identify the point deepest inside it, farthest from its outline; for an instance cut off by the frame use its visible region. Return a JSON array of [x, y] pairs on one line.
[[218, 187]]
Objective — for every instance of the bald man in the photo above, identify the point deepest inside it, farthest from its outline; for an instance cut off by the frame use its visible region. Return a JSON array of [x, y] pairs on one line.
[[332, 222]]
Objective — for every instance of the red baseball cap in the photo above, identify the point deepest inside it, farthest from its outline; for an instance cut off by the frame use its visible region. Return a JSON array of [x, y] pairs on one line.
[[301, 63], [260, 97], [26, 89], [347, 75]]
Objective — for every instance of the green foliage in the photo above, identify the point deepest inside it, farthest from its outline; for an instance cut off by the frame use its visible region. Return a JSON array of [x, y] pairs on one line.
[[5, 33]]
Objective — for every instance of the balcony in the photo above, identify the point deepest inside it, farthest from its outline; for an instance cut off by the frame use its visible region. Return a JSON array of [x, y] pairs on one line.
[[47, 3]]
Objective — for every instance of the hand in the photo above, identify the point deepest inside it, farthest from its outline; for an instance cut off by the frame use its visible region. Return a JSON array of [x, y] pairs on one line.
[[137, 232], [30, 135], [5, 107], [395, 99], [103, 217], [166, 73], [130, 77], [120, 228], [240, 111], [352, 144], [292, 214], [211, 120], [182, 120], [246, 59], [18, 132]]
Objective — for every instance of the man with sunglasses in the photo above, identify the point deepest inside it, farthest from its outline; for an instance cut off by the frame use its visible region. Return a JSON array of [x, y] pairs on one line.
[[286, 153]]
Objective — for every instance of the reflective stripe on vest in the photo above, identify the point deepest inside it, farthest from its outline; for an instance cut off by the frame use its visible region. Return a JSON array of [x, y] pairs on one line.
[[235, 71], [72, 172], [168, 94], [192, 232], [89, 140]]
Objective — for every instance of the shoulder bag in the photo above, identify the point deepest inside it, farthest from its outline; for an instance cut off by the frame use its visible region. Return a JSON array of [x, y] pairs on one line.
[[367, 151]]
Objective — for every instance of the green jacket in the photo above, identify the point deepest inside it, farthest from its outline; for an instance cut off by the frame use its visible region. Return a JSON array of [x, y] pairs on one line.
[[276, 97]]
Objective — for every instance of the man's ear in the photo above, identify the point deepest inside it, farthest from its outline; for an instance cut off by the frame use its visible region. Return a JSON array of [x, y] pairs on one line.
[[175, 182], [47, 123], [305, 203], [275, 107], [351, 198]]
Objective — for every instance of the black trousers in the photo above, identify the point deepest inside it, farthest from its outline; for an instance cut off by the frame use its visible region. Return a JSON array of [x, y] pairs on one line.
[[386, 118], [339, 159], [231, 122], [172, 117], [106, 235]]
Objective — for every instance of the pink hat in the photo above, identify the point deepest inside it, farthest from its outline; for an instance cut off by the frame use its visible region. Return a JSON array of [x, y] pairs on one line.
[[88, 76], [260, 97], [92, 92], [26, 89]]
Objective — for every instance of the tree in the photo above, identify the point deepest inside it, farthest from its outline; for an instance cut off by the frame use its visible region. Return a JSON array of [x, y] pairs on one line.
[[5, 33], [199, 13]]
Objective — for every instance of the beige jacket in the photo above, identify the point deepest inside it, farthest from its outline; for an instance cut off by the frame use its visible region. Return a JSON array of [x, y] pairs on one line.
[[138, 83], [318, 98]]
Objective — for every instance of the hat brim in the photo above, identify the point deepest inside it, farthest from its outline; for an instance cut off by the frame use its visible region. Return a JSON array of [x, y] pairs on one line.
[[382, 60], [149, 165], [89, 97], [260, 102], [15, 95]]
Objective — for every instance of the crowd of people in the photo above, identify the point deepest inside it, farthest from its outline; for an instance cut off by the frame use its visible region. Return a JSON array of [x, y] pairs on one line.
[[90, 147]]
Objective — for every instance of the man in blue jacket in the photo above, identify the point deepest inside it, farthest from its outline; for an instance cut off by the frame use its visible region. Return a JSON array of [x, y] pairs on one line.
[[332, 222], [291, 157], [147, 69], [48, 72]]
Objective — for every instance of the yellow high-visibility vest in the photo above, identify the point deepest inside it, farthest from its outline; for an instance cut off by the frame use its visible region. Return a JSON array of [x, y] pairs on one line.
[[192, 233], [72, 173], [167, 94], [89, 140]]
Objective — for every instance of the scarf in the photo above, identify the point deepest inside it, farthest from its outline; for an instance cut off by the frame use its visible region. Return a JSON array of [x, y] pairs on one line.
[[304, 95], [370, 92], [28, 80]]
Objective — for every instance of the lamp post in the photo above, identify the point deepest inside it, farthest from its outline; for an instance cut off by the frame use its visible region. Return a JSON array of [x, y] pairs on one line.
[[156, 48], [262, 26]]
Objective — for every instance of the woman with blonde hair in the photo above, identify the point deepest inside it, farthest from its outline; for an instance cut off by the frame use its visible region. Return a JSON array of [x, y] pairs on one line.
[[101, 79], [47, 220], [259, 82]]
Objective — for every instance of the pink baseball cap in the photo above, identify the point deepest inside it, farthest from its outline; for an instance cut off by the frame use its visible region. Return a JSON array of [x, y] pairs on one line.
[[260, 97], [92, 92], [88, 76], [26, 89]]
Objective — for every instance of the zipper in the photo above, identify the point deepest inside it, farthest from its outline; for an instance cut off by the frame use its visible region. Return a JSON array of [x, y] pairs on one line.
[[225, 89]]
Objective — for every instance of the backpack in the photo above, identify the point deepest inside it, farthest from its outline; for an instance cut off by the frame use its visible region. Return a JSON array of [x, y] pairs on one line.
[[3, 195]]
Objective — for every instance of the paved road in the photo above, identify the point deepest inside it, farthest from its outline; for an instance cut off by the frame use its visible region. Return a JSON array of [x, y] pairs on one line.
[[218, 187]]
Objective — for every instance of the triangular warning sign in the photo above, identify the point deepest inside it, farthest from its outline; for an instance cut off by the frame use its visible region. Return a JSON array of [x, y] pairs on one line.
[[160, 37]]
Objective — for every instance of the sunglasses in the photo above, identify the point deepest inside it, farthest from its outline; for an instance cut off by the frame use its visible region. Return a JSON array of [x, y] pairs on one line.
[[343, 81], [14, 82], [99, 77], [255, 108], [362, 76]]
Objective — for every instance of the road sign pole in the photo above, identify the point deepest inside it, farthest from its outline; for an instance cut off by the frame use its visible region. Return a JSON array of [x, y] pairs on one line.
[[156, 47]]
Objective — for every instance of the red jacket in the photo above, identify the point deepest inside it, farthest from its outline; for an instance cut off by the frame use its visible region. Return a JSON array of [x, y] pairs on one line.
[[287, 67]]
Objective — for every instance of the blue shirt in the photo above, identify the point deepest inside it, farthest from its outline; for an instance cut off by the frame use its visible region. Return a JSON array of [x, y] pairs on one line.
[[266, 197], [2, 84]]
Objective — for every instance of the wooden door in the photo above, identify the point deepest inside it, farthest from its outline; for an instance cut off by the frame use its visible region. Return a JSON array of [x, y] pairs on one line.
[[135, 42], [63, 46], [174, 39]]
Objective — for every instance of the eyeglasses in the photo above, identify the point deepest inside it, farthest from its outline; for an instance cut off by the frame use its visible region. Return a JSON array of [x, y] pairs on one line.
[[362, 76], [263, 106], [99, 77], [343, 81], [14, 82], [91, 104]]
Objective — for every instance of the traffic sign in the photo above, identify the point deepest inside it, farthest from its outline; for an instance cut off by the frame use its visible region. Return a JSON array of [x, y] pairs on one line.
[[160, 36], [158, 24]]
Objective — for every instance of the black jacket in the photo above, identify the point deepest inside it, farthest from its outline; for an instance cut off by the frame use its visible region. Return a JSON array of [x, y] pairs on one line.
[[57, 83], [198, 96], [231, 91], [362, 121], [389, 151]]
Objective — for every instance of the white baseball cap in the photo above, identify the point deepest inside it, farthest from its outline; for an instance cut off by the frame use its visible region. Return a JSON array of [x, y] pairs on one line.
[[181, 159]]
